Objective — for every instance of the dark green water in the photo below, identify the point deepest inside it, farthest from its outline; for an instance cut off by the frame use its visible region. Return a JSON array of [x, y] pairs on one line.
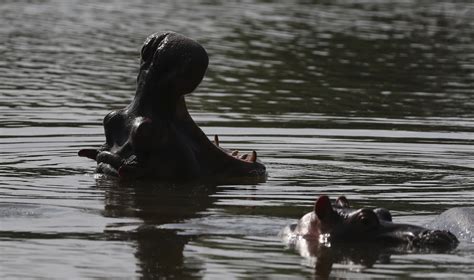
[[369, 99]]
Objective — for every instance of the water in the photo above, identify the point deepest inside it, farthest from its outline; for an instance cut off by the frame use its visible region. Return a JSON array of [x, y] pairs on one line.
[[368, 99]]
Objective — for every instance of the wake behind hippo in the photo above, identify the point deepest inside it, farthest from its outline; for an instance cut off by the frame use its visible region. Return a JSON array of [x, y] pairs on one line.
[[330, 225], [155, 137]]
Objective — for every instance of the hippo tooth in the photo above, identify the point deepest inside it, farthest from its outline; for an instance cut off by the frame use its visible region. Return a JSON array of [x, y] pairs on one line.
[[235, 153], [253, 157], [216, 140]]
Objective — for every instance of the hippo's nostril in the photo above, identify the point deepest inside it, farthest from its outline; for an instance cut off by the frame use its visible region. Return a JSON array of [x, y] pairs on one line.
[[114, 124], [142, 133]]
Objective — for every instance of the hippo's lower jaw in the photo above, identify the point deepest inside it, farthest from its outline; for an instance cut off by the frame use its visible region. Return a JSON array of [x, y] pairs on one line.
[[220, 165]]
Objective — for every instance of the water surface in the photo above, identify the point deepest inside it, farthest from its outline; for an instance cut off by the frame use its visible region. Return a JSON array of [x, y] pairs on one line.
[[368, 99]]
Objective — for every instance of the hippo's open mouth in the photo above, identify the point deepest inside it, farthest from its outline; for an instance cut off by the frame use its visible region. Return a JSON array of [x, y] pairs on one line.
[[141, 165], [112, 164], [155, 137]]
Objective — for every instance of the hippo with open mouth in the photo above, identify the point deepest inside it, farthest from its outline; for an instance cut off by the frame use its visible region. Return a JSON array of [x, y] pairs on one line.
[[155, 137], [332, 224]]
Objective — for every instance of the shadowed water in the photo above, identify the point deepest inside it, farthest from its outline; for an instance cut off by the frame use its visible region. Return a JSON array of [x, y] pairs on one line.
[[369, 99]]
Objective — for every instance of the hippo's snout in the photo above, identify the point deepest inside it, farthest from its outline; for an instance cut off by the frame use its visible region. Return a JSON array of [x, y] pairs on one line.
[[418, 237], [435, 238]]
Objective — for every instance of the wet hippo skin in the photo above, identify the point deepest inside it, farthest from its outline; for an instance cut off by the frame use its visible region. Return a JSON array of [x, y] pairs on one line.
[[330, 224], [155, 137]]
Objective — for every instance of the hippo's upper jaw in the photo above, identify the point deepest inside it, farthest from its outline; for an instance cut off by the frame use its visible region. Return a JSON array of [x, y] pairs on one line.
[[333, 224], [155, 137]]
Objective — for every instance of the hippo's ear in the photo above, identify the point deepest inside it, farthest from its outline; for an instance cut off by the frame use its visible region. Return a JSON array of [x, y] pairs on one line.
[[323, 208], [342, 202]]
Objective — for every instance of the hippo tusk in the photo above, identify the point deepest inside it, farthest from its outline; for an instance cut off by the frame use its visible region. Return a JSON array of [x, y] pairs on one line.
[[88, 153], [216, 140], [253, 157]]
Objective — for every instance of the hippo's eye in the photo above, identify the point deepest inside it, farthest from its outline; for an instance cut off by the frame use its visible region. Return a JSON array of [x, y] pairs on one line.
[[367, 219], [383, 214]]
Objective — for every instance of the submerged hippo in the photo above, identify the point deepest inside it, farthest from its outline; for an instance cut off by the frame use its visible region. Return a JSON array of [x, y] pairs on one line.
[[155, 137], [338, 234], [331, 224]]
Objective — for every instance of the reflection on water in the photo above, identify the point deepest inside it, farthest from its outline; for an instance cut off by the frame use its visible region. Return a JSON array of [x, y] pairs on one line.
[[159, 251], [368, 99]]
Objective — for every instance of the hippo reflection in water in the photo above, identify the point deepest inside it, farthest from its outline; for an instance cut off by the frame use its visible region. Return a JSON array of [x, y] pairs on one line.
[[329, 225], [155, 137]]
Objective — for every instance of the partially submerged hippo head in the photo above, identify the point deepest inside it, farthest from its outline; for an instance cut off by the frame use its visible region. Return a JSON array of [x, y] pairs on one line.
[[155, 137], [332, 224]]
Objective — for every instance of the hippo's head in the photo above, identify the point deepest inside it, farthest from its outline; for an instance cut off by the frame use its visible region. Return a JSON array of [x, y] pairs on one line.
[[338, 223], [155, 137], [171, 66]]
